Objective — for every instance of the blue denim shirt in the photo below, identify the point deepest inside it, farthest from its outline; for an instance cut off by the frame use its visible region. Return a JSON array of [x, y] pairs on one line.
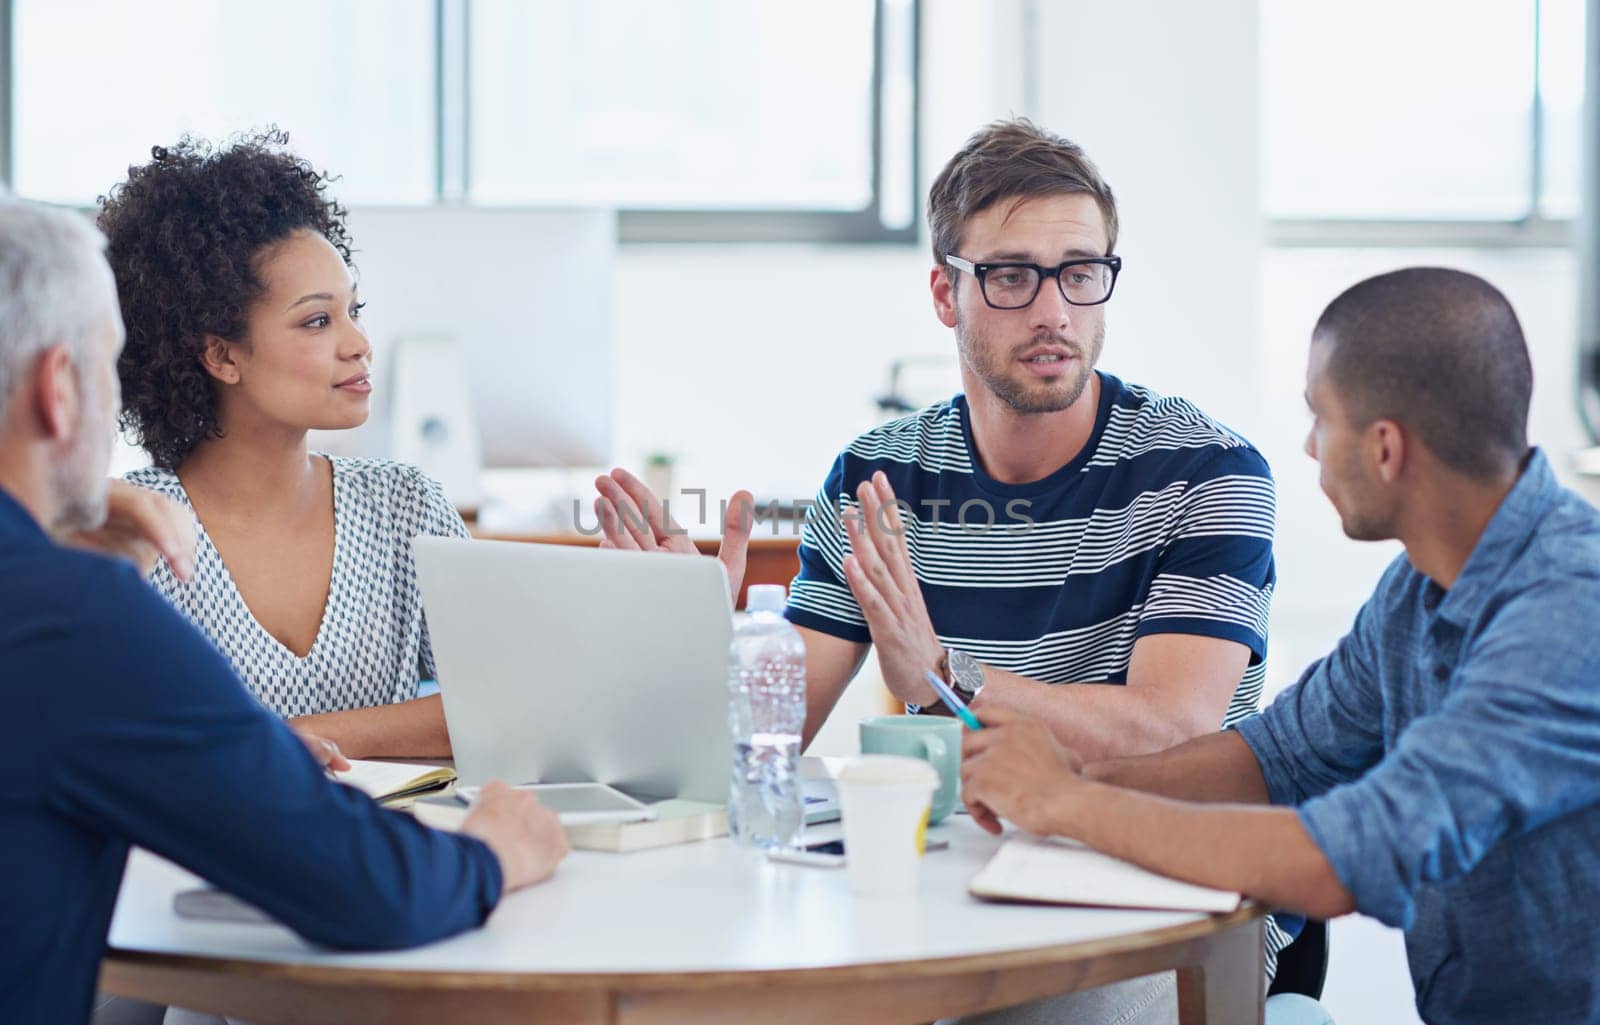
[[1446, 759]]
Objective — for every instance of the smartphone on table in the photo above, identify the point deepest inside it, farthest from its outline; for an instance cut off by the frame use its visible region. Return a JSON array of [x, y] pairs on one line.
[[830, 853]]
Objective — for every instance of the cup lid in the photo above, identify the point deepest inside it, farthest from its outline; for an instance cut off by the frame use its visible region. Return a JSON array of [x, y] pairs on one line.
[[888, 770]]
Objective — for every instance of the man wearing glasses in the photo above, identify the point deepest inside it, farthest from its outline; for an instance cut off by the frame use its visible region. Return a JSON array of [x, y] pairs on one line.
[[1049, 529]]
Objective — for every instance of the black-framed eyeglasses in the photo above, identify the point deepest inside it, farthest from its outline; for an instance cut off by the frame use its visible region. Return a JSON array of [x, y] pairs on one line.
[[1011, 286]]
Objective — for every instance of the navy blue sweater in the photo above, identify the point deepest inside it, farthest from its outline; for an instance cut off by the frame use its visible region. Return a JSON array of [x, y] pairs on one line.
[[124, 725]]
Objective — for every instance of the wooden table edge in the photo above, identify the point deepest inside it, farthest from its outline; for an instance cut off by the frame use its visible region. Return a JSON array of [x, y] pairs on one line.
[[1146, 944]]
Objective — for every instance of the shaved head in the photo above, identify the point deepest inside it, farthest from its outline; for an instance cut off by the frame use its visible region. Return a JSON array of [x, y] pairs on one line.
[[1439, 352]]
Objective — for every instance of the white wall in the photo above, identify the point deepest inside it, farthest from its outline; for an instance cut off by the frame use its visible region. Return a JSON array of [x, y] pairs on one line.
[[1164, 100]]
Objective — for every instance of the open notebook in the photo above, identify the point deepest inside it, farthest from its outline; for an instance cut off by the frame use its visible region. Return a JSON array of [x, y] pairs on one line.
[[1061, 872], [396, 783]]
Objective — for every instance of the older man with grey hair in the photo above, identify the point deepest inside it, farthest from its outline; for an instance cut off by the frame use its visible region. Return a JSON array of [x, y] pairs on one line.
[[59, 312], [58, 299], [110, 689]]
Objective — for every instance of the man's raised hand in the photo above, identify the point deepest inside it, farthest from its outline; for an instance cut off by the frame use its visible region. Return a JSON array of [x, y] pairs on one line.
[[632, 518]]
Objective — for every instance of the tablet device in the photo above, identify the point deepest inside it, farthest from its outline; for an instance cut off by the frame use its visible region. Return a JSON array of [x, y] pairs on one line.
[[579, 803]]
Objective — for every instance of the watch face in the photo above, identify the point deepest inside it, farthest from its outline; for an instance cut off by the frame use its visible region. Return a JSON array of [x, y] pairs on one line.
[[966, 673]]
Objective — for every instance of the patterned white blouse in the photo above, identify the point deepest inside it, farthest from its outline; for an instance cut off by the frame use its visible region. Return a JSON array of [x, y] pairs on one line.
[[372, 643]]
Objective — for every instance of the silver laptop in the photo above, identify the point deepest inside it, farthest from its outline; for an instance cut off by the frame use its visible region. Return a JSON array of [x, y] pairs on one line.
[[565, 664]]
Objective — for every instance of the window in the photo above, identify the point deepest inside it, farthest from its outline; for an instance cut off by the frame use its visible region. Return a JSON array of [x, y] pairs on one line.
[[710, 119], [97, 83], [715, 106], [1420, 110]]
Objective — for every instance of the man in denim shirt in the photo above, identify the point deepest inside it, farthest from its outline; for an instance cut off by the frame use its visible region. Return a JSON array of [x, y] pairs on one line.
[[1443, 763]]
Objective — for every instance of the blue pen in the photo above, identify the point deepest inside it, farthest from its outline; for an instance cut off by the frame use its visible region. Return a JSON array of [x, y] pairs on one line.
[[952, 702]]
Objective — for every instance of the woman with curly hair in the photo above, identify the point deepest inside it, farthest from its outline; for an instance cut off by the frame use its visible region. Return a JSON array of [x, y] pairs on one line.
[[243, 333]]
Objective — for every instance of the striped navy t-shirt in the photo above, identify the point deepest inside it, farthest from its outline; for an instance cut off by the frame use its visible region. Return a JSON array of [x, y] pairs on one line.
[[1162, 524]]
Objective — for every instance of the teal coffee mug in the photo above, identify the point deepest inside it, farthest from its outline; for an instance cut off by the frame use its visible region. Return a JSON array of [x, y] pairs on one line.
[[936, 739]]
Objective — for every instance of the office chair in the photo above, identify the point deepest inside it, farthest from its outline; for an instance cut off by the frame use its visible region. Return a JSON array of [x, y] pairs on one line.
[[1303, 964]]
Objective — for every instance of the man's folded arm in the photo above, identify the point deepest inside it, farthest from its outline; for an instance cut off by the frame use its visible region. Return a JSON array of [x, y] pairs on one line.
[[1326, 729], [1178, 686], [1215, 768], [1260, 852], [163, 745], [1515, 745]]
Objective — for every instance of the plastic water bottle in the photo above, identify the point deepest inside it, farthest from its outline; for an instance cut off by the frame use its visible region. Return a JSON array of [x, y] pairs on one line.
[[766, 712]]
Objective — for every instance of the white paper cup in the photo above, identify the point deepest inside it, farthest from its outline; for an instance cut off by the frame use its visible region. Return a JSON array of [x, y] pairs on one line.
[[884, 802]]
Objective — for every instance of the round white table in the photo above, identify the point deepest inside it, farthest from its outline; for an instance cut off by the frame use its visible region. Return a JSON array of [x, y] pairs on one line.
[[702, 933]]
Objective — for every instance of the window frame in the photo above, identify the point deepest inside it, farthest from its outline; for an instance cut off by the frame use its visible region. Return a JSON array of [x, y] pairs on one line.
[[1532, 229], [7, 72], [815, 226], [452, 128]]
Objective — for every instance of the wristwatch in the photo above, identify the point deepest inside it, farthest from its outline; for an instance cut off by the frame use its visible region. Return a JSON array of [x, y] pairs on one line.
[[963, 673]]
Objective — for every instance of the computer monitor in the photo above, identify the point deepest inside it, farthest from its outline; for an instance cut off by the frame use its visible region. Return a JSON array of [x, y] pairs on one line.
[[524, 293]]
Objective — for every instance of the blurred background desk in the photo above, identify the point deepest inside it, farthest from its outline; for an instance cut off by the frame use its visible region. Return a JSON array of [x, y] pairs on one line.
[[772, 560]]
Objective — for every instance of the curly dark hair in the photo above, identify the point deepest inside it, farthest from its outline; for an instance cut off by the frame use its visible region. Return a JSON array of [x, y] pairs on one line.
[[185, 233]]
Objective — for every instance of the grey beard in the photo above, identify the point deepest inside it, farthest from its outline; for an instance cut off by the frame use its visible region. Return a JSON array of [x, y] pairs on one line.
[[80, 488]]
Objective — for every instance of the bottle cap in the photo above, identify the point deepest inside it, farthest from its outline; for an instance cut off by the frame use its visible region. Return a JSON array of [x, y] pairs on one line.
[[765, 598]]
